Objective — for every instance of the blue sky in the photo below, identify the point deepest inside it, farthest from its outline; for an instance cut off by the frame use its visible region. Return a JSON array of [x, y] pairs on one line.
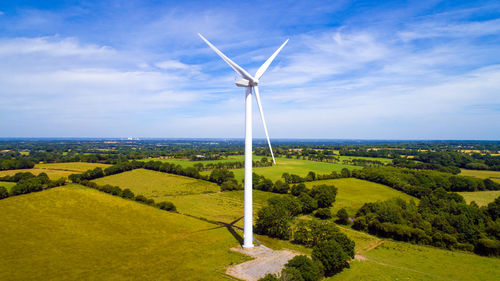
[[352, 69]]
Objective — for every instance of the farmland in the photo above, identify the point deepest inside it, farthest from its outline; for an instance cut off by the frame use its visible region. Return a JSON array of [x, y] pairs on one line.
[[353, 193], [482, 198], [482, 174], [71, 166], [156, 184], [53, 174], [71, 232], [56, 170], [292, 166]]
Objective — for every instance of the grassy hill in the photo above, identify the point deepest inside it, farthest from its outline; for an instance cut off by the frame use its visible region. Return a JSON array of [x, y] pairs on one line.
[[493, 175], [292, 166], [353, 193], [71, 166], [76, 233], [57, 170], [156, 185], [392, 260], [482, 198]]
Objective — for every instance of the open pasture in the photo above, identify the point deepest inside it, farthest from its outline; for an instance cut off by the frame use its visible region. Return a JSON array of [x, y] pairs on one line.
[[394, 260], [482, 198], [482, 174], [292, 166], [224, 207], [73, 233], [53, 174], [153, 184], [353, 193], [77, 167]]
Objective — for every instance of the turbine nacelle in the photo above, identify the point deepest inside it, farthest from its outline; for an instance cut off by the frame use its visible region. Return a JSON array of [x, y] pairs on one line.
[[245, 83]]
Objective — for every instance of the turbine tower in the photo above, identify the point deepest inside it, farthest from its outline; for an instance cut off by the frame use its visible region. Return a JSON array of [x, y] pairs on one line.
[[251, 85]]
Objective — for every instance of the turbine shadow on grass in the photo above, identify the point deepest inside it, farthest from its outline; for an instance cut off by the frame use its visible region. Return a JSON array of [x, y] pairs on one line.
[[229, 226]]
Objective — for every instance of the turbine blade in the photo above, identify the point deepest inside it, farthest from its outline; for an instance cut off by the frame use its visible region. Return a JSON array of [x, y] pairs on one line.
[[257, 96], [268, 62], [232, 64]]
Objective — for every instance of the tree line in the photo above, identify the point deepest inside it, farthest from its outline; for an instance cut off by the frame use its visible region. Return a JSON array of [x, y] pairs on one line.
[[420, 183], [27, 183], [441, 219]]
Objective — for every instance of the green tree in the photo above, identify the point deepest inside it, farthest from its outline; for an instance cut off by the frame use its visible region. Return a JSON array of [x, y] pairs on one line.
[[345, 173], [290, 274], [331, 255], [343, 217], [309, 270], [324, 194], [323, 213], [3, 192], [309, 204]]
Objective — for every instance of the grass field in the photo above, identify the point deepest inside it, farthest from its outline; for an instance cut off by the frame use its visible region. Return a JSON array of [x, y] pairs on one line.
[[78, 167], [223, 206], [155, 185], [292, 166], [7, 185], [353, 193], [57, 170], [53, 174], [493, 175], [74, 233], [482, 198]]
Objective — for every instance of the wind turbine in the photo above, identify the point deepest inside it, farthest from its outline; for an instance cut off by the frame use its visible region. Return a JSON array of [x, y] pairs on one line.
[[251, 85]]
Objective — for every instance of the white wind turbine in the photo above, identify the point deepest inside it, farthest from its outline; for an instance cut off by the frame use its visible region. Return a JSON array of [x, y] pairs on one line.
[[249, 83]]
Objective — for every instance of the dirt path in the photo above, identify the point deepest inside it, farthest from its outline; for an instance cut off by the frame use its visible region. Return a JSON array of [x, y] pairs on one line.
[[266, 261]]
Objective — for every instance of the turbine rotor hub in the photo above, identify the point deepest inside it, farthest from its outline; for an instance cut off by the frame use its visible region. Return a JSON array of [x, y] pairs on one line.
[[246, 83]]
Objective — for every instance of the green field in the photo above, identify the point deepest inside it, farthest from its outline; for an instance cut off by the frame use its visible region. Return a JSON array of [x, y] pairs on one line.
[[353, 193], [7, 185], [223, 206], [156, 185], [493, 175], [188, 163], [78, 167], [394, 260], [482, 198], [75, 233], [53, 174], [292, 166]]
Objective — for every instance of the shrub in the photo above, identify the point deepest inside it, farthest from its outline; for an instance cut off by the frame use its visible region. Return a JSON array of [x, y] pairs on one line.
[[167, 206], [323, 213], [269, 277], [309, 270], [343, 217], [331, 255], [297, 189], [3, 192], [127, 194], [291, 274], [488, 247]]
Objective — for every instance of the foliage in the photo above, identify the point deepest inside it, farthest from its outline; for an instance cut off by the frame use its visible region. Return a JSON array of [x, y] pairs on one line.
[[331, 255], [323, 213], [3, 192], [309, 204], [324, 194], [441, 219], [343, 217], [309, 269]]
